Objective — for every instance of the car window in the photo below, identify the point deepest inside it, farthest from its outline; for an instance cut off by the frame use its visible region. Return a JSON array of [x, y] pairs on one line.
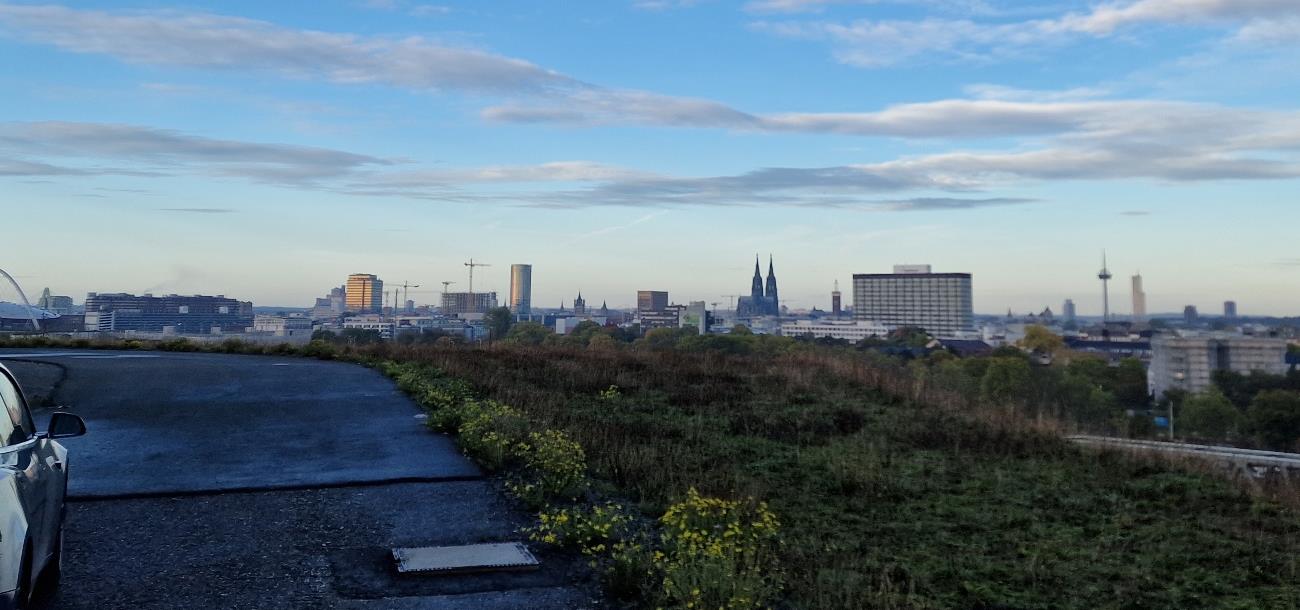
[[11, 425]]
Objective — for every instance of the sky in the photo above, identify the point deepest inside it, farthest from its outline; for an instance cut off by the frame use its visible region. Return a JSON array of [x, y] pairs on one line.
[[263, 151]]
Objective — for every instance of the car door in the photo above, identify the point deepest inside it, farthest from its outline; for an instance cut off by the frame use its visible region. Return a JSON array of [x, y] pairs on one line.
[[21, 452]]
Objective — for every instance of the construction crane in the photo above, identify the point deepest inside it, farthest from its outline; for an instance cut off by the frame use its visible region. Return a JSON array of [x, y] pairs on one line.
[[471, 264], [733, 298], [405, 286], [445, 285]]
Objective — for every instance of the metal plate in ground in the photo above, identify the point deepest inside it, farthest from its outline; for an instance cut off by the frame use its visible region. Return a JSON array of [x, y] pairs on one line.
[[471, 558]]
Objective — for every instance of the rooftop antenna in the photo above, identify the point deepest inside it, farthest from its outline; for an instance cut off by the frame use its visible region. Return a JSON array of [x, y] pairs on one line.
[[1105, 276]]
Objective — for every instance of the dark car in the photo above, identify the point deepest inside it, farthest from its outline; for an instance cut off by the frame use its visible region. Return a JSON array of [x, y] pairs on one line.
[[33, 482]]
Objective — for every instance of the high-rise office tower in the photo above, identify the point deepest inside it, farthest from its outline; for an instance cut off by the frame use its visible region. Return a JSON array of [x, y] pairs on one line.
[[940, 303], [651, 300], [1139, 299], [1190, 315], [365, 293], [1068, 311], [521, 289], [1230, 309]]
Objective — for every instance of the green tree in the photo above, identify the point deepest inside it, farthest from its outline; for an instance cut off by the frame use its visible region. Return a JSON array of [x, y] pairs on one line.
[[911, 336], [1209, 414], [1039, 339], [1274, 419], [583, 333], [528, 333], [324, 335], [1006, 382], [665, 338], [360, 336], [498, 322], [1129, 384]]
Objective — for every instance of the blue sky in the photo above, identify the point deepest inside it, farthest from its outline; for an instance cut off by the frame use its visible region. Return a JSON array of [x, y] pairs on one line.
[[258, 150]]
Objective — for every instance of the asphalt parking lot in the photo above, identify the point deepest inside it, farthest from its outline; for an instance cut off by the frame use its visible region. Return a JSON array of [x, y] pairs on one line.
[[224, 481]]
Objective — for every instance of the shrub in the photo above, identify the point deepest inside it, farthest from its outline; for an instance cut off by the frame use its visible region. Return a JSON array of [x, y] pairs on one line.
[[491, 432], [555, 464], [1210, 415], [718, 554], [1274, 417]]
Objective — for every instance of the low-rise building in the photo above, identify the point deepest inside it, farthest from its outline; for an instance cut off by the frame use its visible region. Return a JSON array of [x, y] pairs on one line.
[[851, 330], [669, 317], [1189, 361], [371, 322], [281, 326], [180, 314]]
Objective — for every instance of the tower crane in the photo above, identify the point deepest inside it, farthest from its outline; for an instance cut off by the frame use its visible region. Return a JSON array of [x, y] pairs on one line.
[[405, 286], [471, 264]]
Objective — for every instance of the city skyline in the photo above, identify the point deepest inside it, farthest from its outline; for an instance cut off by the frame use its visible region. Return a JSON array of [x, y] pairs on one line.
[[267, 152]]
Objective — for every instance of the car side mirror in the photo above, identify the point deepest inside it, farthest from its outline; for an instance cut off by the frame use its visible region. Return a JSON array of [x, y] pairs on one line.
[[66, 425]]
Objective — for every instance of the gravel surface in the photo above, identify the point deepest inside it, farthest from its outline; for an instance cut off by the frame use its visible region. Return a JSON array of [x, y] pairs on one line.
[[214, 481]]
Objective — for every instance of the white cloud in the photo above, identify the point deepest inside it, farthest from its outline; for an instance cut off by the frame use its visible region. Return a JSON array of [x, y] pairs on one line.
[[876, 43], [203, 40], [1107, 18], [136, 150]]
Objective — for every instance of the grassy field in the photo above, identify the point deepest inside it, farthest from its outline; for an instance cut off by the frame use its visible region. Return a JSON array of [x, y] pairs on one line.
[[885, 503], [892, 490]]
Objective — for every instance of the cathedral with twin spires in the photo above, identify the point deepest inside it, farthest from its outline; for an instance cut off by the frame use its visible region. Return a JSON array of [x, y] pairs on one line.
[[762, 300]]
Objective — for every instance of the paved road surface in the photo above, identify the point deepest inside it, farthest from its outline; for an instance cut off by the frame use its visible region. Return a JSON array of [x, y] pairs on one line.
[[221, 481]]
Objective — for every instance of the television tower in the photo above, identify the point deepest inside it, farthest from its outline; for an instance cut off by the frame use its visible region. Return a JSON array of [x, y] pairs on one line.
[[1104, 275]]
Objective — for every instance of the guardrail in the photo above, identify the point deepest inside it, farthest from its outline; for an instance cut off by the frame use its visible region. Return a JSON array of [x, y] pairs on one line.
[[1255, 463]]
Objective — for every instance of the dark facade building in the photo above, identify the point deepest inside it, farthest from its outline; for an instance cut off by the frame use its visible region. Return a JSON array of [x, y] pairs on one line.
[[579, 305], [184, 314], [762, 299], [651, 300]]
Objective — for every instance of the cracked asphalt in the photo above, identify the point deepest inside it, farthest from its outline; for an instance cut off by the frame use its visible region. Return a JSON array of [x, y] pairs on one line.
[[225, 481]]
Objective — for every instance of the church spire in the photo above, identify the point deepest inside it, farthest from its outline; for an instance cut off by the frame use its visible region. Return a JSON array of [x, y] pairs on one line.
[[770, 292]]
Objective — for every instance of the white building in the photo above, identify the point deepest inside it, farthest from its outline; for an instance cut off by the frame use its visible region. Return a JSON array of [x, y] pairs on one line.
[[1188, 362], [281, 326], [940, 303], [855, 330], [371, 322]]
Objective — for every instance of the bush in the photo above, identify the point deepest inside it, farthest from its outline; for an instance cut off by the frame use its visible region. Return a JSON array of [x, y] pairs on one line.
[[491, 432], [555, 467], [1274, 418], [718, 554], [1210, 415]]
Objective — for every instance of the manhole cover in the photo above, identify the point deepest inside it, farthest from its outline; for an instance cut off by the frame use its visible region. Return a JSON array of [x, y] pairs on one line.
[[492, 557]]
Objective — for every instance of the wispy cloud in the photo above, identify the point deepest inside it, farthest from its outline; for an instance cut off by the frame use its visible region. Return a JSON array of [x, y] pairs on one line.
[[204, 40], [199, 210], [876, 43], [137, 150], [613, 228]]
